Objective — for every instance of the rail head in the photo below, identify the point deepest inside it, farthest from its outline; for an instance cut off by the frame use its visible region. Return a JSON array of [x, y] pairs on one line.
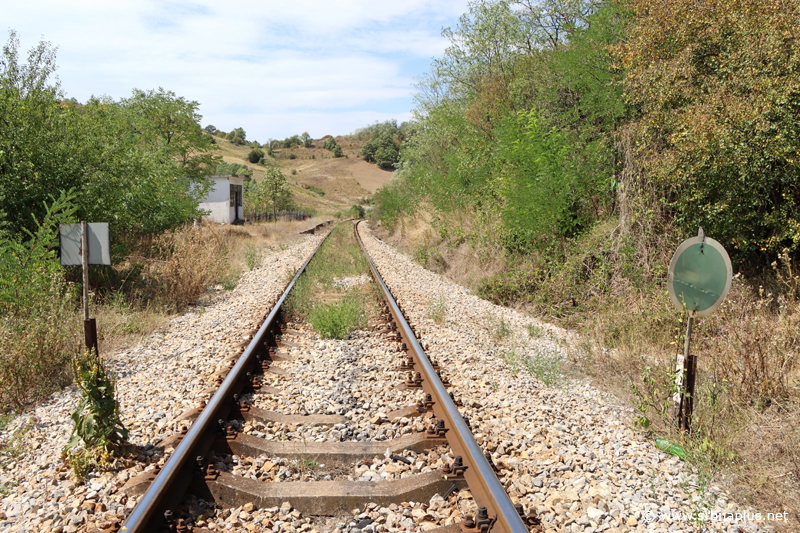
[[484, 485]]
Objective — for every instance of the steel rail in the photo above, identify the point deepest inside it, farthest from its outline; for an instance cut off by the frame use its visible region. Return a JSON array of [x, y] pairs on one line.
[[484, 485], [175, 475]]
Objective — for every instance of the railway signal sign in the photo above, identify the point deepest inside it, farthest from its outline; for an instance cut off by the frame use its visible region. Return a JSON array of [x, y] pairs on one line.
[[699, 276], [699, 279]]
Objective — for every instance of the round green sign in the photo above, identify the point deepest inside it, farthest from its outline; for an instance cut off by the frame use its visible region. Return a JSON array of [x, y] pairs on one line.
[[700, 276]]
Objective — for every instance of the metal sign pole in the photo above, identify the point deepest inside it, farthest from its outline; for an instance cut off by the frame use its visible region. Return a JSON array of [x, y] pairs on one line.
[[89, 324], [85, 265]]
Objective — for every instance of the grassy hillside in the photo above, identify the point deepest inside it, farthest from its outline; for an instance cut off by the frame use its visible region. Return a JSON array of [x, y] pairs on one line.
[[344, 181]]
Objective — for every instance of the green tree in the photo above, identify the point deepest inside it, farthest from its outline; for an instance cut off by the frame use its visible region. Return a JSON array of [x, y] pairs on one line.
[[276, 190], [306, 138], [138, 163], [718, 89], [256, 155], [237, 136]]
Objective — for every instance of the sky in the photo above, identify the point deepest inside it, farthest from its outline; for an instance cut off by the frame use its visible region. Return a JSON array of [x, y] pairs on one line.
[[274, 68]]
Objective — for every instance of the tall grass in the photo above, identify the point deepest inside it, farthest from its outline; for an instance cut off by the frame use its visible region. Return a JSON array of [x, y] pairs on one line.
[[37, 346], [189, 260]]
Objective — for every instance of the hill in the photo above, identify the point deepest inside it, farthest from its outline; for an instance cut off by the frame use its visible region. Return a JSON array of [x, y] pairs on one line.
[[344, 181]]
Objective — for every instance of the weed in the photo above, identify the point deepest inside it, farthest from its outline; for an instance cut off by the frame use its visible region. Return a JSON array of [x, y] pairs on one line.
[[302, 465], [512, 359], [437, 309], [544, 365], [339, 319], [229, 282], [96, 418], [701, 500], [252, 255], [535, 331], [15, 445], [339, 257], [499, 328]]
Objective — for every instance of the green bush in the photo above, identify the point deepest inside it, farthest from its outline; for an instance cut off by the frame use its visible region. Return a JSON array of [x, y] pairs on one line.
[[255, 155]]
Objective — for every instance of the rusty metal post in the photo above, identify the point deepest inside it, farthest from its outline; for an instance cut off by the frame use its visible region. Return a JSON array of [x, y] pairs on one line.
[[687, 398], [687, 389], [89, 324], [90, 334]]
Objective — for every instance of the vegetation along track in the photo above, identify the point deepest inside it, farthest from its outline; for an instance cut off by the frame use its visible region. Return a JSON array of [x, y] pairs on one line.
[[322, 432]]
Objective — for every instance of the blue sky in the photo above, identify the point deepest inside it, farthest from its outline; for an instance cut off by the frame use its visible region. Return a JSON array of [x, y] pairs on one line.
[[273, 68]]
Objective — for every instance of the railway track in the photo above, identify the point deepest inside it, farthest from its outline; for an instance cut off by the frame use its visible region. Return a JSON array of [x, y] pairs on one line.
[[384, 433]]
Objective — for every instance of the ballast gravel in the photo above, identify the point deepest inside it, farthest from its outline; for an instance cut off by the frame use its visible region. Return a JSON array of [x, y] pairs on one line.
[[563, 448]]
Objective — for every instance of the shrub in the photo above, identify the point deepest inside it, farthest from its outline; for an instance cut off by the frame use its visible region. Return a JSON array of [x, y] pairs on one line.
[[255, 155], [292, 156]]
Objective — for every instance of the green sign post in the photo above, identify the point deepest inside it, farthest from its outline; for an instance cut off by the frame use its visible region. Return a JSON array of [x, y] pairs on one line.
[[699, 279]]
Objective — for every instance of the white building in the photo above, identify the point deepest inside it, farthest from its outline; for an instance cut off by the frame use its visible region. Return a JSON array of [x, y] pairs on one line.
[[225, 201]]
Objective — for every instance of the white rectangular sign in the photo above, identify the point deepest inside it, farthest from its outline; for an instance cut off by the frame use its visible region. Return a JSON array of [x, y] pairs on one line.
[[99, 244]]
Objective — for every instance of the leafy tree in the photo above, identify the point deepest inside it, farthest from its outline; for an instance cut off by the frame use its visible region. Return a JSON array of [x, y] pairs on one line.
[[211, 130], [719, 93], [270, 194], [306, 138], [381, 149], [138, 163], [330, 142], [291, 142], [232, 168], [237, 136]]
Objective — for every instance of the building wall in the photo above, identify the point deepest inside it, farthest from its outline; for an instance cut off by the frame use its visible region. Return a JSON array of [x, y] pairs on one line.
[[218, 201], [220, 211]]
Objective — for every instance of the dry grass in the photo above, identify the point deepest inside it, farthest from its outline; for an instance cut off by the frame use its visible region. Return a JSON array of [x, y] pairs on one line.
[[344, 180], [36, 347]]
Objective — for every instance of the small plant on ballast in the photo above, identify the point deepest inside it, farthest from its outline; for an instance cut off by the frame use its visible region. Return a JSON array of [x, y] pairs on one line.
[[96, 418]]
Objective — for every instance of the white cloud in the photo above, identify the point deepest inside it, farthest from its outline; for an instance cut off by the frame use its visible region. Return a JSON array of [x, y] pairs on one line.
[[269, 64]]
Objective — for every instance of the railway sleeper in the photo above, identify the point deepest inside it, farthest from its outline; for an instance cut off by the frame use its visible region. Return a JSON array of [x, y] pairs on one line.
[[323, 497]]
